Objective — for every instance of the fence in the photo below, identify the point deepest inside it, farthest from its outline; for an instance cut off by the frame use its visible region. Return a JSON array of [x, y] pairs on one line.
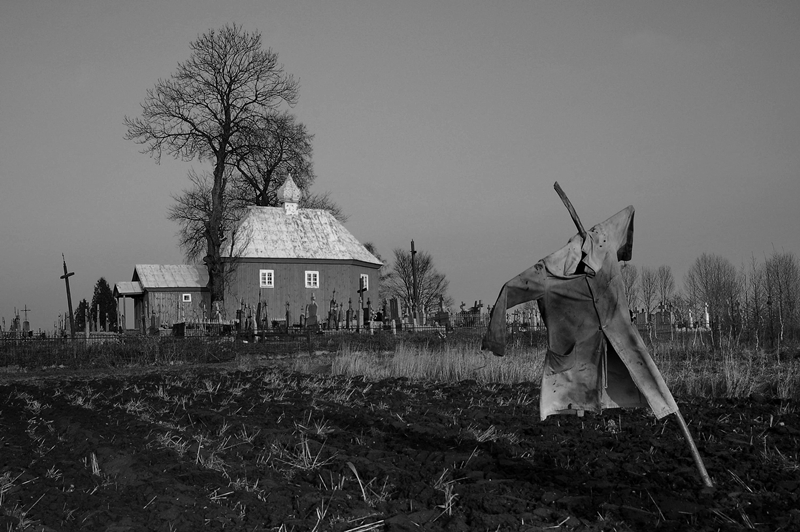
[[110, 350]]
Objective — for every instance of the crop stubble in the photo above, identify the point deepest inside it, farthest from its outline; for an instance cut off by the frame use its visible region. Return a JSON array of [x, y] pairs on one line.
[[268, 449]]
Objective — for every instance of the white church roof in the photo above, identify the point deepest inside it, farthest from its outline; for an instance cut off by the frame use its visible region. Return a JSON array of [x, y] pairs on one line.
[[274, 233]]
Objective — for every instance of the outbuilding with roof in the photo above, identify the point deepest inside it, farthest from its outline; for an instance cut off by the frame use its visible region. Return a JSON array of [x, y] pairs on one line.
[[170, 292]]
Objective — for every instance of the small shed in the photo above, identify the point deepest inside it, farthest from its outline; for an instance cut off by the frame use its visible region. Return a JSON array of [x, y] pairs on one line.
[[169, 292]]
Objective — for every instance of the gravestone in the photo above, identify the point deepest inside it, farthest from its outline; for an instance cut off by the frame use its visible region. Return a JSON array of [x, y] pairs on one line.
[[332, 312], [442, 317], [311, 313], [395, 311]]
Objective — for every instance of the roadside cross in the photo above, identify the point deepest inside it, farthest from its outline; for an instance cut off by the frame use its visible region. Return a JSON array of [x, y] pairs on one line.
[[66, 277]]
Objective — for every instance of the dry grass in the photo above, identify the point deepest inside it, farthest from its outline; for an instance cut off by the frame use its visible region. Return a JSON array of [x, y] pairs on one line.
[[729, 371], [449, 364]]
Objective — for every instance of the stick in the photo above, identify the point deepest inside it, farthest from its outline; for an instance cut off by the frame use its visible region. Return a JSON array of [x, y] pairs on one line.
[[698, 461], [571, 209]]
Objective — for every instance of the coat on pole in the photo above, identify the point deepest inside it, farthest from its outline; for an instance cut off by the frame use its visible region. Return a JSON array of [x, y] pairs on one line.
[[595, 357]]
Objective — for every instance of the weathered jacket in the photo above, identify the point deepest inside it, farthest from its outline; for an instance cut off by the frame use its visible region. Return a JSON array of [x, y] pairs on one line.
[[595, 358]]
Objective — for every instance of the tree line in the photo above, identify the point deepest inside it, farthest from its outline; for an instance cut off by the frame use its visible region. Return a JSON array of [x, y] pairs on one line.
[[757, 303]]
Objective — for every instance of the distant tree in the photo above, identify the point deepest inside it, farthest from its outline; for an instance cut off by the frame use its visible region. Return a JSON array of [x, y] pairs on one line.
[[648, 286], [80, 316], [680, 307], [211, 109], [713, 280], [665, 283], [753, 303], [431, 284], [383, 272], [322, 200], [781, 275], [630, 283], [104, 297]]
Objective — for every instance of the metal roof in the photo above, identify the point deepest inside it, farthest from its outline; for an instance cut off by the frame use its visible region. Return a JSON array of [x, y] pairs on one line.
[[170, 276], [271, 232], [128, 288]]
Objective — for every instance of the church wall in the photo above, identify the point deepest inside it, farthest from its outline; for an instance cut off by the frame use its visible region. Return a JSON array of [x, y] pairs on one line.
[[289, 285]]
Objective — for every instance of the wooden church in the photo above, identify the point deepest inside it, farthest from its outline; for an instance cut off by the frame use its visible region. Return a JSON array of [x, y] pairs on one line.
[[287, 255], [281, 256]]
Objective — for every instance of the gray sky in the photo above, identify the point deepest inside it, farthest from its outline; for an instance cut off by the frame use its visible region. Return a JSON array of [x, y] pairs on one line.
[[445, 122]]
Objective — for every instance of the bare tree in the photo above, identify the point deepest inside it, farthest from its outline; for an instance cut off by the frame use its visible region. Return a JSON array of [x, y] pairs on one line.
[[782, 283], [713, 280], [192, 210], [383, 272], [282, 147], [630, 278], [665, 282], [681, 307], [648, 283], [753, 302], [210, 110], [323, 201], [431, 284]]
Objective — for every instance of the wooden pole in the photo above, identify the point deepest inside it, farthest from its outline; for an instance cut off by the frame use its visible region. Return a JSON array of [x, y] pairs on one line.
[[701, 468], [571, 209], [698, 461], [414, 294]]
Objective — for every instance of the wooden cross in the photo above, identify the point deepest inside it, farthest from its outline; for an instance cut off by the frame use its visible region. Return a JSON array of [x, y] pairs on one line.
[[66, 277], [361, 289]]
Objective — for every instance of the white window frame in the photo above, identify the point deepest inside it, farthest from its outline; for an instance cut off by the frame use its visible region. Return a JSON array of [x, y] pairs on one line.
[[312, 279], [187, 298], [365, 277], [266, 278]]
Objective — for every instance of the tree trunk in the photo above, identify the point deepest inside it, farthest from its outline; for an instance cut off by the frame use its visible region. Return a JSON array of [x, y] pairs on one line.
[[213, 259]]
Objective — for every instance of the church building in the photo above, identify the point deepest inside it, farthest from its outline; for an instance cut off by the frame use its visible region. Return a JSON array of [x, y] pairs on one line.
[[280, 256], [288, 255]]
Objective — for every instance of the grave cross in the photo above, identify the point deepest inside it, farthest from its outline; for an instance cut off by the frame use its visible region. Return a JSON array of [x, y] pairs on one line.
[[26, 326], [66, 277], [361, 289]]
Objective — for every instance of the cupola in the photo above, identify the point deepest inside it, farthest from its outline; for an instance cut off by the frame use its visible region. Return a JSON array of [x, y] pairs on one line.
[[289, 195]]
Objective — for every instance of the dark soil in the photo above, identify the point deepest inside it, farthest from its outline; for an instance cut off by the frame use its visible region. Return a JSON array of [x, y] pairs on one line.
[[265, 449]]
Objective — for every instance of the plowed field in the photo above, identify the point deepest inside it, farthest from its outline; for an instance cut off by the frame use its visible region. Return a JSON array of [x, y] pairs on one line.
[[266, 449]]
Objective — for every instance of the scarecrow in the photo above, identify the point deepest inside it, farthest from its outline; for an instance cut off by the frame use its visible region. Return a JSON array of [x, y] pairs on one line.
[[595, 357]]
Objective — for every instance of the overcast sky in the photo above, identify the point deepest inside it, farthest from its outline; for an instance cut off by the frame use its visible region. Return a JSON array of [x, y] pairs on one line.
[[445, 122]]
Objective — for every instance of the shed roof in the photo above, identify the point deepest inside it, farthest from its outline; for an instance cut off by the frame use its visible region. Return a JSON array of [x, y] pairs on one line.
[[269, 232], [128, 288], [170, 276]]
